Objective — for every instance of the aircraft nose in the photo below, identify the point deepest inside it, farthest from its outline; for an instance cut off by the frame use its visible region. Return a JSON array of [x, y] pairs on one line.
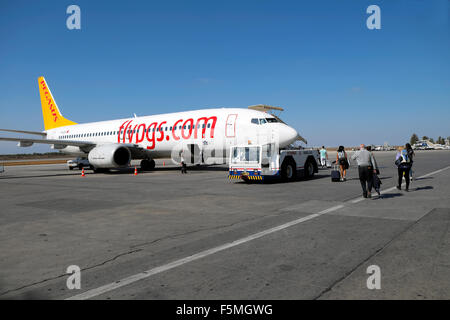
[[288, 135]]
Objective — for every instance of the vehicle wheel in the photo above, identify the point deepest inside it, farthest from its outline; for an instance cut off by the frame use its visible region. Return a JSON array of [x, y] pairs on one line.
[[70, 168], [289, 170], [309, 169], [80, 166]]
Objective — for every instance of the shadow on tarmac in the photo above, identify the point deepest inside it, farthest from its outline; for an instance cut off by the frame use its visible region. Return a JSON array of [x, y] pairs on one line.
[[279, 180], [424, 188], [389, 196]]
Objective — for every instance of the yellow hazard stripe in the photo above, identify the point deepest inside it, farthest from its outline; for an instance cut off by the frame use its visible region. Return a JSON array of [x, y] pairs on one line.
[[234, 177]]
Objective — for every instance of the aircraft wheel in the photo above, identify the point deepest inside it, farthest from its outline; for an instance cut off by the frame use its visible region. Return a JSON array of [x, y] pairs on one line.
[[147, 165]]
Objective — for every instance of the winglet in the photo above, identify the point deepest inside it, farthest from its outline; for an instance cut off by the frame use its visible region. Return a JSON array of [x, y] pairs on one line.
[[50, 111]]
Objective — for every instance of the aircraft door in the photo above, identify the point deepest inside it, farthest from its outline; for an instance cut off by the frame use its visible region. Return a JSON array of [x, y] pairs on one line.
[[196, 155], [230, 127]]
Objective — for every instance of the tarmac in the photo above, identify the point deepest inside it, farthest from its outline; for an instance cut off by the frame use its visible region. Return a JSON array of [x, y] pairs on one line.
[[164, 235]]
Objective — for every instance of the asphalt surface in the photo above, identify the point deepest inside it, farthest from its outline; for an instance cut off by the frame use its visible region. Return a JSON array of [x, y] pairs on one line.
[[164, 235]]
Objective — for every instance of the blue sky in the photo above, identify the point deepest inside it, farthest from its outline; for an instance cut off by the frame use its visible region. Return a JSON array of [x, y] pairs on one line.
[[339, 82]]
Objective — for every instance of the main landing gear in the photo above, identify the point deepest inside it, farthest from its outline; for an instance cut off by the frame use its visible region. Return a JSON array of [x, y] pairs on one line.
[[147, 164]]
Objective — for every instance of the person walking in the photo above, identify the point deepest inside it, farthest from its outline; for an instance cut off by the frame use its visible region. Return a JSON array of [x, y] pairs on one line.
[[366, 168], [403, 163], [376, 180], [323, 156], [183, 162], [342, 160], [411, 155]]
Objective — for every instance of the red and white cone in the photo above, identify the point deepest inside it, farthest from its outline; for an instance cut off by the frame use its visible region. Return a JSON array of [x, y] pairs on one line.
[[82, 172], [135, 171]]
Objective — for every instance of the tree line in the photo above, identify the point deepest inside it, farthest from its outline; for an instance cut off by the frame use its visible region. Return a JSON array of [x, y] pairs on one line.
[[415, 138]]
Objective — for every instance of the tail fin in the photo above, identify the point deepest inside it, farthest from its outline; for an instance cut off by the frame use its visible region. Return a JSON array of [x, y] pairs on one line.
[[52, 117]]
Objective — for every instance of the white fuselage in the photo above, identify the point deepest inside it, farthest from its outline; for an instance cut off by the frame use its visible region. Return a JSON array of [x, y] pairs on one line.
[[159, 135]]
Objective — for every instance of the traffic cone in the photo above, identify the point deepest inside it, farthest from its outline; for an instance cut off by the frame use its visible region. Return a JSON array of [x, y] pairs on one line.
[[164, 163], [82, 172], [135, 171]]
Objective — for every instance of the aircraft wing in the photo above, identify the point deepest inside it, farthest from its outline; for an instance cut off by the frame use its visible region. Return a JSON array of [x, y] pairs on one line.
[[30, 141], [27, 132], [85, 146]]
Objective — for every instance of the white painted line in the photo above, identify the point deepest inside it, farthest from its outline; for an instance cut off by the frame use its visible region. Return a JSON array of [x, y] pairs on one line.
[[112, 286], [143, 275]]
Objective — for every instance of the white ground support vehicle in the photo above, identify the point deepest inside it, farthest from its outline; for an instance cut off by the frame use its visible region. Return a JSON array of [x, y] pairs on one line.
[[259, 163], [2, 168], [79, 163]]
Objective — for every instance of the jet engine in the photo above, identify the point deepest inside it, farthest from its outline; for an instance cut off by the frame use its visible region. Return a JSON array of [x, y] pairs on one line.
[[109, 156]]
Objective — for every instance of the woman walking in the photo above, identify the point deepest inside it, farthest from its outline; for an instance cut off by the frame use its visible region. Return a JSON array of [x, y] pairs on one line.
[[342, 160], [403, 162]]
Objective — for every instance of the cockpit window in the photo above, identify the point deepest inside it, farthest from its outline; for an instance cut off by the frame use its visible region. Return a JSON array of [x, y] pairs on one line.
[[264, 121]]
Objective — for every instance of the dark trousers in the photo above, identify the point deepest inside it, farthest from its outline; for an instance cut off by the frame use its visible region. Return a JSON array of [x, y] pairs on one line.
[[406, 172], [366, 176], [183, 167]]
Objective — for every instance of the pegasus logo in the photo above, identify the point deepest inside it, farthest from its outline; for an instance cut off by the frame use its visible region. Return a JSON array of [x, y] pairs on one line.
[[49, 100]]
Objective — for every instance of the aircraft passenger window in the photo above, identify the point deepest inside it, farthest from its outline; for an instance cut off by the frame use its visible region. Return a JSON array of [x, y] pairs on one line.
[[170, 129], [255, 121], [203, 126], [209, 125], [262, 121]]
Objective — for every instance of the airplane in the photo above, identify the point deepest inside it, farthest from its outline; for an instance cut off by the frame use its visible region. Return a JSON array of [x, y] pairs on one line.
[[428, 145], [113, 144]]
